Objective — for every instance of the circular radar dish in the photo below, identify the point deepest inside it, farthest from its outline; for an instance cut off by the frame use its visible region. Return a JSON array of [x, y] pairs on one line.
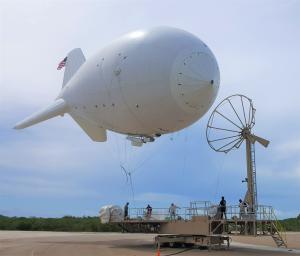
[[229, 122]]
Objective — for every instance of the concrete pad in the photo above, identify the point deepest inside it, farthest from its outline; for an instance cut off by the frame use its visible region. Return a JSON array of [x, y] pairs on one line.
[[18, 243]]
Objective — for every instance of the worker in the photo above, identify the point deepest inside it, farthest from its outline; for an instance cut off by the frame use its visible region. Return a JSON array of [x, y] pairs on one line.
[[243, 208], [222, 206], [149, 211], [172, 211], [126, 211]]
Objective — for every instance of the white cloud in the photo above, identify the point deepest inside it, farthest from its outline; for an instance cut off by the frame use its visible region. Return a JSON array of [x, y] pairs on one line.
[[289, 148], [59, 145], [42, 187], [44, 154], [281, 174], [161, 198]]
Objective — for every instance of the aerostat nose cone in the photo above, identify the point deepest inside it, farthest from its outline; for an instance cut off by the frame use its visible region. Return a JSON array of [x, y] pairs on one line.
[[197, 81]]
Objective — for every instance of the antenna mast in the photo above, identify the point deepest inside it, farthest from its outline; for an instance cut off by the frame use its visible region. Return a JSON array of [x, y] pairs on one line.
[[229, 125]]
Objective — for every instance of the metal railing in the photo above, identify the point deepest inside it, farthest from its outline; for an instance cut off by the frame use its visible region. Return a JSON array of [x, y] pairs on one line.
[[156, 214], [198, 208], [235, 212], [204, 208], [280, 229]]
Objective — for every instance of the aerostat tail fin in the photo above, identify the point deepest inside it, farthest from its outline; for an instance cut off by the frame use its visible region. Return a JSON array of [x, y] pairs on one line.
[[74, 60], [59, 107]]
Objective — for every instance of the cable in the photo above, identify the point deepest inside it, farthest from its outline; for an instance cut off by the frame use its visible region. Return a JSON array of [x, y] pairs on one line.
[[138, 166], [125, 151], [128, 178], [131, 185], [125, 172], [185, 250], [185, 152], [219, 172]]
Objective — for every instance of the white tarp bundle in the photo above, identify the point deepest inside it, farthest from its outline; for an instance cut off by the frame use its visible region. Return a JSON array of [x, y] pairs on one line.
[[111, 213], [213, 210]]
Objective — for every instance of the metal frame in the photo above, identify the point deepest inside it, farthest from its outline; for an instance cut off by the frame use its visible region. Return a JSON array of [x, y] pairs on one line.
[[237, 222], [201, 208], [247, 121], [184, 240], [242, 132]]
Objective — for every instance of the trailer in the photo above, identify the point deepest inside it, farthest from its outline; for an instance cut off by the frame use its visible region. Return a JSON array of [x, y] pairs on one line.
[[188, 240]]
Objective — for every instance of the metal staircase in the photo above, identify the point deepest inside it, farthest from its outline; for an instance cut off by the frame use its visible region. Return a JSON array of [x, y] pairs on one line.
[[278, 232], [279, 240]]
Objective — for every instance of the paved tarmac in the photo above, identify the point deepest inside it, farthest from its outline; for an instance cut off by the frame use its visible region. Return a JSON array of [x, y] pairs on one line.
[[19, 243]]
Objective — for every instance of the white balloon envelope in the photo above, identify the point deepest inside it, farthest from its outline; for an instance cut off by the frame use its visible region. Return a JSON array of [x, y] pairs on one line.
[[144, 84]]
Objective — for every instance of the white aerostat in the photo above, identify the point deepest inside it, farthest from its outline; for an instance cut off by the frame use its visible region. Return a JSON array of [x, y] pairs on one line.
[[146, 83]]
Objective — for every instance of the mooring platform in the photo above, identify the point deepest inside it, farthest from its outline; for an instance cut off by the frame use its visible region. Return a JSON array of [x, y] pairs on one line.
[[204, 219]]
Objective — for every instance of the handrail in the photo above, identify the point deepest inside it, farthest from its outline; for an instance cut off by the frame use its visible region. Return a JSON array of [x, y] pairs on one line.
[[280, 228], [205, 208], [157, 213]]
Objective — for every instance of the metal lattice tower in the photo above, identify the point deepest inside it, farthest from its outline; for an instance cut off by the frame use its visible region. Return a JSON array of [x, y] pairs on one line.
[[254, 173]]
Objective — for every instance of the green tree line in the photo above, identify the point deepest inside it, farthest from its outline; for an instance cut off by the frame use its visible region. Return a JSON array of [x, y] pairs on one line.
[[86, 224], [291, 224], [67, 223]]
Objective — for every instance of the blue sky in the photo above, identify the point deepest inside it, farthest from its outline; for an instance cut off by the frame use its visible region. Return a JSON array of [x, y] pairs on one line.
[[53, 169]]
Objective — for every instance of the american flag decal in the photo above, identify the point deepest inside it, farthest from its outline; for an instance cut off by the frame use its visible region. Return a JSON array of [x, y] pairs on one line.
[[62, 63]]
